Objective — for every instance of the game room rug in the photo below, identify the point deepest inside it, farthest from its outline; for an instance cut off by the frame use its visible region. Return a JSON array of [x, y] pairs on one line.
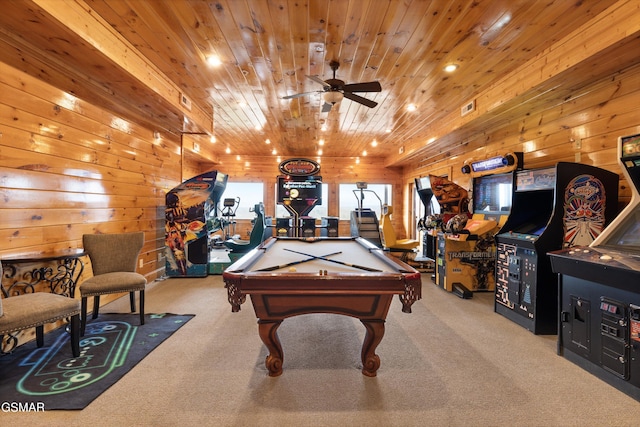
[[50, 378]]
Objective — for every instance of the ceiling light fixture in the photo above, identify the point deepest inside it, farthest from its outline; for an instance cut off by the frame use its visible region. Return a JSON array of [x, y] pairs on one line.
[[332, 97], [214, 61], [450, 68], [412, 107]]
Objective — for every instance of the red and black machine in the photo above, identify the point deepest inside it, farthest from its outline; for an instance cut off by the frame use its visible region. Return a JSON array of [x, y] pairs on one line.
[[599, 288]]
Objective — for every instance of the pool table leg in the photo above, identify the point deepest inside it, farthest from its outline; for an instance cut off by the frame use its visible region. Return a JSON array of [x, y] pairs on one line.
[[370, 360], [267, 330]]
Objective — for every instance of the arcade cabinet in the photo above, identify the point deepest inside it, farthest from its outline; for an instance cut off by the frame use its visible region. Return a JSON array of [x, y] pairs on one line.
[[428, 223], [467, 256], [298, 195], [189, 208], [599, 287], [256, 236], [553, 208], [364, 221]]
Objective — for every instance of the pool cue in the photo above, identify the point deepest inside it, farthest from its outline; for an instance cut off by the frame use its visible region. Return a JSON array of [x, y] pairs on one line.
[[348, 264], [277, 267]]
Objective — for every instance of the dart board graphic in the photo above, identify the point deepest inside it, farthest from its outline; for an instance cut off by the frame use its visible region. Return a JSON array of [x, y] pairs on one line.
[[584, 210]]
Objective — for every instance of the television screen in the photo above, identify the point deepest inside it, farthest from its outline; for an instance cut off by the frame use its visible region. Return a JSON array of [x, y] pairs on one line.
[[493, 193]]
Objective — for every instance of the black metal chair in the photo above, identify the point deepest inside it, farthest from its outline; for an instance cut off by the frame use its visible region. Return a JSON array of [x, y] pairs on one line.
[[34, 310]]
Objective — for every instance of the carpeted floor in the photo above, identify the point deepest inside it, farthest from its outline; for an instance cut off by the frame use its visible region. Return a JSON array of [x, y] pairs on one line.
[[452, 362]]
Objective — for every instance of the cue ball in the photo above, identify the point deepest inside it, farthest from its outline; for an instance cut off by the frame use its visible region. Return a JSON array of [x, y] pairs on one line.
[[292, 269]]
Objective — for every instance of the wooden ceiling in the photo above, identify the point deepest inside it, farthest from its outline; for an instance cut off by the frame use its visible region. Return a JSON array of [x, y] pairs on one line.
[[138, 58]]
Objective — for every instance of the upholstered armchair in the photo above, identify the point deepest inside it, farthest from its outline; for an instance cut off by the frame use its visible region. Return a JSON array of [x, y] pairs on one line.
[[113, 260], [34, 310]]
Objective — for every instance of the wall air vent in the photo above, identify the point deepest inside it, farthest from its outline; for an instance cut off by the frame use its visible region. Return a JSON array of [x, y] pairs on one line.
[[467, 108]]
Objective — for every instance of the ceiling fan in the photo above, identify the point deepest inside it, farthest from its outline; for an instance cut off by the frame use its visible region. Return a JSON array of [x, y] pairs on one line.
[[334, 90]]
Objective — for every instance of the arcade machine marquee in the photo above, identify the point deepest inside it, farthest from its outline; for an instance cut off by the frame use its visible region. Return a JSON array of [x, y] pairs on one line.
[[599, 286]]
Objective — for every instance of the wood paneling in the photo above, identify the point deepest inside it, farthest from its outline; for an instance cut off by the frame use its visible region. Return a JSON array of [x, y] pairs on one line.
[[68, 168]]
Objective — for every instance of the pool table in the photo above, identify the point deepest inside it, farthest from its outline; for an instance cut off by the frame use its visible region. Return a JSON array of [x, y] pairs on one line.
[[287, 277]]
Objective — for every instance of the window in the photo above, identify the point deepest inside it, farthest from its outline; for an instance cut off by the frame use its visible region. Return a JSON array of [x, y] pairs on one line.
[[372, 198], [250, 194]]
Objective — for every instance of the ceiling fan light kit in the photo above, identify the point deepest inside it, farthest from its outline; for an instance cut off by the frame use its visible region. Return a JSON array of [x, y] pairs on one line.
[[332, 97]]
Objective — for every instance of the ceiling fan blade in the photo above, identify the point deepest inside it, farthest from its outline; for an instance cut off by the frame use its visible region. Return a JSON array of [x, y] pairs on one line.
[[363, 87], [326, 107], [319, 81], [357, 98], [298, 95]]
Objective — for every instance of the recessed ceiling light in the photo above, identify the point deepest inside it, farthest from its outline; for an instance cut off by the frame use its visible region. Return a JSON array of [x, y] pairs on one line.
[[450, 68], [412, 107], [374, 143], [267, 141], [214, 60], [321, 142]]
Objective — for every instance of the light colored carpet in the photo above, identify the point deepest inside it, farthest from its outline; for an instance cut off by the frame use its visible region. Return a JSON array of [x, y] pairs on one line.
[[452, 362]]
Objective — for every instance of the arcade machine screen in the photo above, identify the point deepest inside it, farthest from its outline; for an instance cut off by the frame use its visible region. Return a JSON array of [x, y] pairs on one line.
[[627, 236], [492, 194]]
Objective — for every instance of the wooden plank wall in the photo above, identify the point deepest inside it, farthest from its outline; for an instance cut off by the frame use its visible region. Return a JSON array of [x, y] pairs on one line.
[[584, 128], [68, 168]]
